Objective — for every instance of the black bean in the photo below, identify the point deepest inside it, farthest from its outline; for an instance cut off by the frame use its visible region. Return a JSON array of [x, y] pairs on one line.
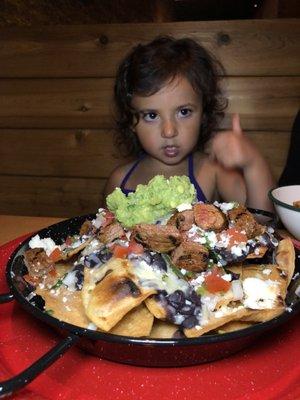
[[171, 311], [190, 322], [104, 255], [158, 262], [194, 298], [177, 297], [187, 310], [79, 276]]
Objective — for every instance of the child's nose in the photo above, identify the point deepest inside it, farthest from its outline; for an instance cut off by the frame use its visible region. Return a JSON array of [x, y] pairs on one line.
[[169, 129]]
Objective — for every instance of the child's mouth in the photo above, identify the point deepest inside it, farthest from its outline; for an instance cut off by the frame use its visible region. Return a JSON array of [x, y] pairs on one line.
[[171, 151]]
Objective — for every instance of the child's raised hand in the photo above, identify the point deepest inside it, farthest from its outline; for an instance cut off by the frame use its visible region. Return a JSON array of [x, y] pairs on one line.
[[232, 148]]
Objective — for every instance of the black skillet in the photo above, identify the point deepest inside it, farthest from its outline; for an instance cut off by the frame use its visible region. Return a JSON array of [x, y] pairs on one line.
[[143, 352]]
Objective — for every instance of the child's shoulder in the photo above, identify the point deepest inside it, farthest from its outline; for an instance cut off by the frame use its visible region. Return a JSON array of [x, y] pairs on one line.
[[116, 177]]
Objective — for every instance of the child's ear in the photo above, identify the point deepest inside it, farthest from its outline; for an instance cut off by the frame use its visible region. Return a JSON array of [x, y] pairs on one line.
[[134, 123]]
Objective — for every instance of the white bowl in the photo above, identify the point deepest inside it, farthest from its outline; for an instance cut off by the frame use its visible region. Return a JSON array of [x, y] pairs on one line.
[[283, 198]]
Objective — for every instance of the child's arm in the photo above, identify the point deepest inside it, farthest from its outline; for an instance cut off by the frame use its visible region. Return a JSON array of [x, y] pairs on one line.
[[234, 151]]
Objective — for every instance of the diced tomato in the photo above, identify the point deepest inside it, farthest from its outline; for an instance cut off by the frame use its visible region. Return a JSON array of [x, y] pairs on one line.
[[33, 280], [120, 251], [52, 272], [55, 255], [235, 237], [215, 283], [135, 247]]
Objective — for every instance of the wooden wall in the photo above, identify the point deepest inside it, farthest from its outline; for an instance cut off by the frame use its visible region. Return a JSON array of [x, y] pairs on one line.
[[56, 121]]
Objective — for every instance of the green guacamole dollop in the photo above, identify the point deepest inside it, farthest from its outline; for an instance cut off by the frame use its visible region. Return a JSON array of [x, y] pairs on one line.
[[151, 202]]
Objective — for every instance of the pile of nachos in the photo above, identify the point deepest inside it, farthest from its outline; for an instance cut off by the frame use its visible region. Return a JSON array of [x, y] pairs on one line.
[[200, 268]]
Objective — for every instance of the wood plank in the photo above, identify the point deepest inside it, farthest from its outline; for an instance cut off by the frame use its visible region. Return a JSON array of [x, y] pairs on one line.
[[249, 47], [274, 147], [263, 102], [60, 153], [57, 103], [91, 153], [51, 197]]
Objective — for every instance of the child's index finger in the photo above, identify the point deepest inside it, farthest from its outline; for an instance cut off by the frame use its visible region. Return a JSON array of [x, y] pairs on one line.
[[236, 125]]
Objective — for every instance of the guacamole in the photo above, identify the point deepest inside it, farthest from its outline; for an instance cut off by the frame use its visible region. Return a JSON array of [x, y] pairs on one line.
[[151, 202]]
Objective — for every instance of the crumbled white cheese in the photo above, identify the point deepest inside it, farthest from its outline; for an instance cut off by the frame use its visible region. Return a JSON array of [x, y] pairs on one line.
[[98, 221], [47, 244], [198, 281], [224, 207], [267, 271], [237, 290], [225, 310], [70, 280], [239, 249], [257, 251], [184, 206], [260, 294], [227, 277]]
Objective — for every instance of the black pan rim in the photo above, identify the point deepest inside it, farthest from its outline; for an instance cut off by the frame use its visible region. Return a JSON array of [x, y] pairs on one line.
[[254, 330]]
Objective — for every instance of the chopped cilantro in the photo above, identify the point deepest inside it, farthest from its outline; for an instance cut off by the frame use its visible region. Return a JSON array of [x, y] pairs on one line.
[[58, 283], [173, 267], [200, 291]]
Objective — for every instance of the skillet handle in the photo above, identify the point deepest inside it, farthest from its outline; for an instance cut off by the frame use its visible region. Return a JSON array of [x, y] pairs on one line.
[[6, 297], [23, 378]]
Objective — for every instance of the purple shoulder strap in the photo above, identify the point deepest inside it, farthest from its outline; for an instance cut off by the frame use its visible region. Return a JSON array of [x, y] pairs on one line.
[[200, 194], [127, 176]]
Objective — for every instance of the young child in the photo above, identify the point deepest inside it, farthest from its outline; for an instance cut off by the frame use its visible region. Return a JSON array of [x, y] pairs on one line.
[[168, 104]]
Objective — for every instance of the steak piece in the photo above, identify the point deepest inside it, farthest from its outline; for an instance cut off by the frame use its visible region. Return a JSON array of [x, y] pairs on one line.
[[111, 232], [160, 238], [242, 220], [37, 262], [183, 220], [191, 256], [209, 217]]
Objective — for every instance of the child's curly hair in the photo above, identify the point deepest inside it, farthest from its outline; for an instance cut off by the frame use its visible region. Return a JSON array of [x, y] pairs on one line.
[[147, 68]]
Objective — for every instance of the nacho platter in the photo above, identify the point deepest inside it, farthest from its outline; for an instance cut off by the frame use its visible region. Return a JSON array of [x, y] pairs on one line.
[[163, 345]]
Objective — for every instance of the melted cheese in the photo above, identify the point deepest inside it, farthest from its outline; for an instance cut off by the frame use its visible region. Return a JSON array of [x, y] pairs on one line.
[[158, 279], [260, 294]]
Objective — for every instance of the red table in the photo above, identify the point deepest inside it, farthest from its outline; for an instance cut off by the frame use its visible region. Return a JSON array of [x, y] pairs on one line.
[[268, 370]]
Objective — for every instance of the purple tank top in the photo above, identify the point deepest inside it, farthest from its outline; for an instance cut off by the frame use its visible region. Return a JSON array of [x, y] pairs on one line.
[[200, 194]]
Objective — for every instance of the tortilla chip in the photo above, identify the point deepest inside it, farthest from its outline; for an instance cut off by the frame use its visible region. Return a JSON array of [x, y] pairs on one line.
[[263, 315], [156, 308], [64, 305], [285, 258], [233, 326], [230, 314], [258, 253], [163, 330], [68, 253], [268, 272], [114, 295], [137, 323], [92, 276]]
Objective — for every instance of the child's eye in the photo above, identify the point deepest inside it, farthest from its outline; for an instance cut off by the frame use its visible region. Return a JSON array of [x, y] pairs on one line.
[[150, 116], [184, 112]]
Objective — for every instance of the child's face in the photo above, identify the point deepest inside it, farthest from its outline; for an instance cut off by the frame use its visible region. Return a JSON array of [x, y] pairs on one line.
[[170, 119]]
